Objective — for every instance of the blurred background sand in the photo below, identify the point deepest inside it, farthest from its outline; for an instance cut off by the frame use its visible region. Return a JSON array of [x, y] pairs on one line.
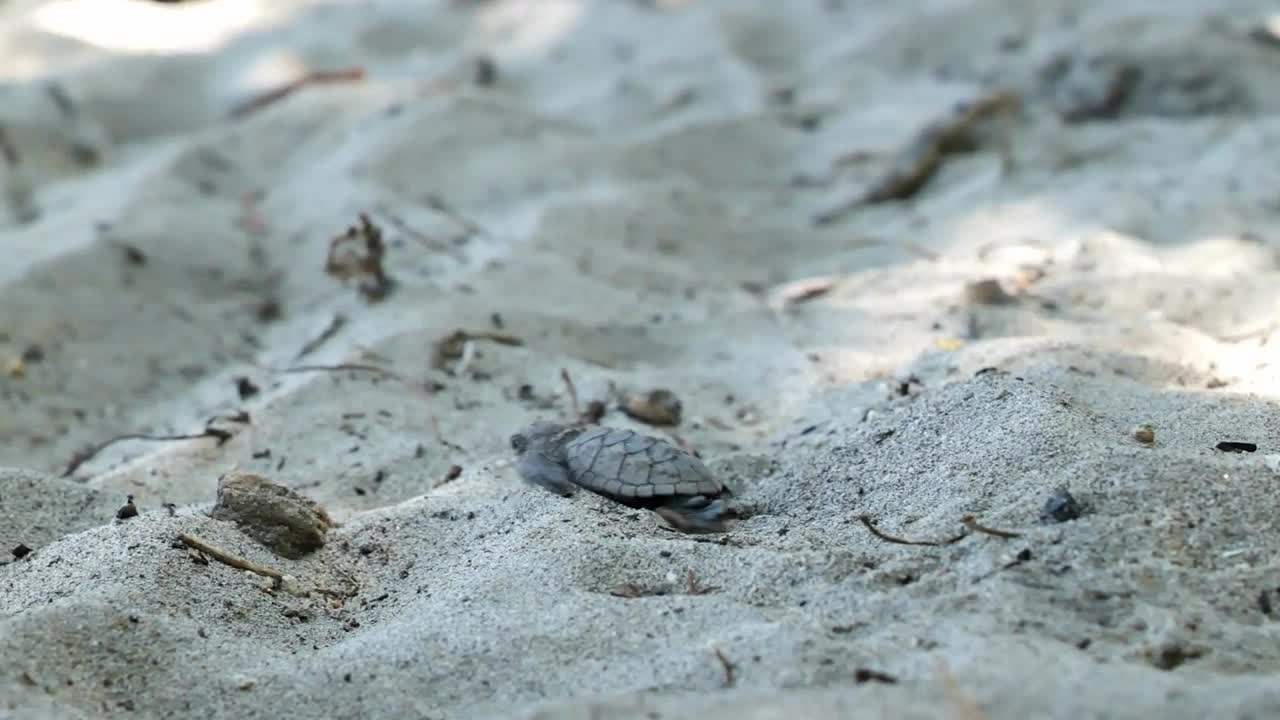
[[623, 192]]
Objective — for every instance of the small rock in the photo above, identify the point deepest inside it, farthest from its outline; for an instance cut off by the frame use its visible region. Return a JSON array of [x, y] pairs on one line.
[[486, 74], [290, 524], [246, 388], [1060, 507], [1264, 602]]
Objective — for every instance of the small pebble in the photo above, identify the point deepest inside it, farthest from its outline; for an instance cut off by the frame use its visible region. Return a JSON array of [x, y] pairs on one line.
[[1060, 507], [486, 74], [1144, 434], [127, 510]]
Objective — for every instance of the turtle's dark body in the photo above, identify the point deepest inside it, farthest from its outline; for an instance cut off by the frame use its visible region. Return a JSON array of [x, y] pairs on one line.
[[629, 468]]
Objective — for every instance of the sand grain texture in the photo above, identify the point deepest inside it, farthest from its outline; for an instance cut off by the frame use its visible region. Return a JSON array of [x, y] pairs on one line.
[[624, 192]]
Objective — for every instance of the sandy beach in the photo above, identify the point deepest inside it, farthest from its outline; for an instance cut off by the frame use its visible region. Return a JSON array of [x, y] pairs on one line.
[[971, 304]]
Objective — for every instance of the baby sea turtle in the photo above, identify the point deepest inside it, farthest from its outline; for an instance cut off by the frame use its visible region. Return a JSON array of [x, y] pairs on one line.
[[633, 469]]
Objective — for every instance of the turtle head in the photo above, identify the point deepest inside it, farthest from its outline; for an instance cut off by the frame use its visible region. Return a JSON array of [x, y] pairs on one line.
[[536, 434], [519, 443]]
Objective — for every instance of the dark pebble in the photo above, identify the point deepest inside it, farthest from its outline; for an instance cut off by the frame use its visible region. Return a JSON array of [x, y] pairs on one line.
[[1060, 507]]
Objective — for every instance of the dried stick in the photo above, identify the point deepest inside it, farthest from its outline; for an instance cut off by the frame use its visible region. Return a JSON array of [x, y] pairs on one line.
[[227, 558], [438, 204], [728, 666], [340, 367], [972, 523], [89, 453], [870, 524], [335, 324], [315, 77], [573, 392]]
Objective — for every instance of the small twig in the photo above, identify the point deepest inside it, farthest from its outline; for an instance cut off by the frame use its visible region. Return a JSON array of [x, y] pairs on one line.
[[315, 77], [438, 204], [917, 163], [1023, 556], [630, 591], [452, 346], [227, 558], [573, 392], [803, 290], [340, 367], [971, 522], [870, 524], [335, 324], [723, 540], [728, 666], [90, 452], [404, 227], [435, 429], [693, 587], [8, 151]]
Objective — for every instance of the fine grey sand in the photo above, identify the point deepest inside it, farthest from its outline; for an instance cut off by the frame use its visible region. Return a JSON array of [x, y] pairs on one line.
[[624, 193]]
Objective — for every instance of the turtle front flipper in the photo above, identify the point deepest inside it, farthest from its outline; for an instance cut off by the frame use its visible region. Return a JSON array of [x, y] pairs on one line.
[[536, 469], [696, 514]]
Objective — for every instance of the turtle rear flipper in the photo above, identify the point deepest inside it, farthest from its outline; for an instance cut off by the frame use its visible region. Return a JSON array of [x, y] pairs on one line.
[[696, 514]]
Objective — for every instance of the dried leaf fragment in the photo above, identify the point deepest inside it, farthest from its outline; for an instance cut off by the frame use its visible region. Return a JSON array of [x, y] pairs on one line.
[[655, 407], [358, 253]]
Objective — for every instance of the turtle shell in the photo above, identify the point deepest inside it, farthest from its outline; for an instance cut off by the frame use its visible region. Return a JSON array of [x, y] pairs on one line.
[[636, 469]]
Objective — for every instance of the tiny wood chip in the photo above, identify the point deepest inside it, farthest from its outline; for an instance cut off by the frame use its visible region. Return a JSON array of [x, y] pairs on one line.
[[655, 407]]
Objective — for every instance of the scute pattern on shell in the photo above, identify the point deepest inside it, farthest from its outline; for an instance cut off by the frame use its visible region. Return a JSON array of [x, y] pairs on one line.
[[627, 465]]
